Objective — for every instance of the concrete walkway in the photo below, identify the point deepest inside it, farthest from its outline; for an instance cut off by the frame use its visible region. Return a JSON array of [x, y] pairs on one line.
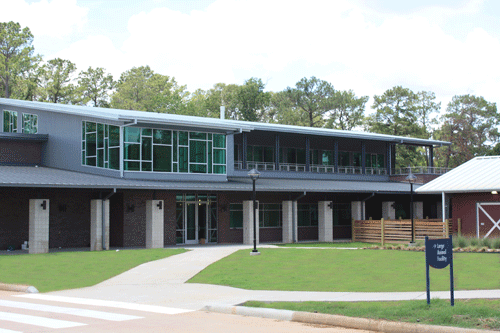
[[162, 282]]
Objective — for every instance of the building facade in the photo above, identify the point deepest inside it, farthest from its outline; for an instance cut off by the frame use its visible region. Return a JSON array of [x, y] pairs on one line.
[[74, 176]]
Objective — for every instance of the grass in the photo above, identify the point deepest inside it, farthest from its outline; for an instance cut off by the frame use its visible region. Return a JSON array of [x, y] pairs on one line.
[[68, 270], [470, 313], [334, 244], [348, 271]]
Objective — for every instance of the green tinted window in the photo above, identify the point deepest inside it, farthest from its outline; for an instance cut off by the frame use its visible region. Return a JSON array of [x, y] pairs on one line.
[[236, 215], [219, 140], [183, 159], [198, 135], [132, 134], [162, 158], [183, 138], [114, 136], [197, 151], [132, 151], [162, 137], [146, 149]]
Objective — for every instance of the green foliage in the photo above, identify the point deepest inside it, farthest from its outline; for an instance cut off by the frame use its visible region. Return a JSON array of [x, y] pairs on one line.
[[16, 55], [486, 242], [471, 125], [314, 98], [467, 313], [56, 77], [141, 89], [252, 101], [474, 242], [94, 86], [348, 111], [282, 111], [496, 243]]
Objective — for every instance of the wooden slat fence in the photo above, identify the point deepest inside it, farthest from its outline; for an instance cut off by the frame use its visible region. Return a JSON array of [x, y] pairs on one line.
[[397, 231]]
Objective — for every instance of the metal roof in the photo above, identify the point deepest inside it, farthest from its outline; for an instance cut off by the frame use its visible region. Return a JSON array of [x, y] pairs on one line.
[[32, 176], [477, 175], [205, 122]]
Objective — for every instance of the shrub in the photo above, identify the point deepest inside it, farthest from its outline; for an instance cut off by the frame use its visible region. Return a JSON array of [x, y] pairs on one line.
[[474, 242], [461, 241], [495, 244], [486, 242]]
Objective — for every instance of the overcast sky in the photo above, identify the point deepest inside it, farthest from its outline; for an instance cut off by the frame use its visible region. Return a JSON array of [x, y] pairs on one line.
[[450, 47]]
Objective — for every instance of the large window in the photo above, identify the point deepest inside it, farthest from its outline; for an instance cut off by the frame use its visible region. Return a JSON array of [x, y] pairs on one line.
[[293, 155], [30, 123], [10, 121], [236, 215], [159, 150], [375, 161], [269, 215], [100, 145], [260, 154], [341, 214], [307, 215]]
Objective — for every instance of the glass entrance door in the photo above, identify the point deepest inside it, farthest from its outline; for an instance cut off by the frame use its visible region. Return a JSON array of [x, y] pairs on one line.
[[196, 219], [191, 223]]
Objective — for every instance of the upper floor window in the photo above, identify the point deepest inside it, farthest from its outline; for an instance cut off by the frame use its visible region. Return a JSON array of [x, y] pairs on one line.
[[161, 150], [100, 145], [375, 161], [30, 123], [307, 215], [10, 121]]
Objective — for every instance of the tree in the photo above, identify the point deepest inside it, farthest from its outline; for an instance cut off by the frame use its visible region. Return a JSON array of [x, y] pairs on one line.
[[141, 89], [283, 111], [313, 97], [348, 110], [16, 53], [397, 113], [56, 78], [94, 85], [252, 101], [470, 124]]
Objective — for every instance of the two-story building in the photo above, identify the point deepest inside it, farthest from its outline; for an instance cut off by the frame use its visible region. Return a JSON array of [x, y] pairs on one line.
[[147, 179]]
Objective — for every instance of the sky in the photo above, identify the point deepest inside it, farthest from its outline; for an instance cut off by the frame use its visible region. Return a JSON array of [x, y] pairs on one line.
[[449, 47]]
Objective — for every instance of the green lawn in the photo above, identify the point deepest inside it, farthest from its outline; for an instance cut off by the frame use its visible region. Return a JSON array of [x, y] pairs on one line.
[[348, 270], [471, 313], [68, 270], [334, 244]]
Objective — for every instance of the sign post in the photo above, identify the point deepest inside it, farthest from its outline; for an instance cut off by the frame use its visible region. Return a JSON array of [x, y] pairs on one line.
[[439, 254]]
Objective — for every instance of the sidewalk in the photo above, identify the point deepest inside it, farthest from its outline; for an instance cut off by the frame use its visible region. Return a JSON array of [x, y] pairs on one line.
[[162, 282]]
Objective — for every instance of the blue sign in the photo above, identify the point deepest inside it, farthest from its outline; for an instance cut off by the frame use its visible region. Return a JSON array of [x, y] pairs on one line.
[[439, 254]]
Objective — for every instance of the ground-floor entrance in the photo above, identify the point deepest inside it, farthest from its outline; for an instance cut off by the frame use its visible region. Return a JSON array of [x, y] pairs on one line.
[[196, 216]]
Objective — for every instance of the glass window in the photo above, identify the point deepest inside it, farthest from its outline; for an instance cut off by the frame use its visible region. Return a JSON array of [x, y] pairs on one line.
[[344, 159], [197, 151], [10, 121], [356, 159], [341, 214], [269, 215], [162, 158], [307, 215], [132, 134], [162, 137], [183, 138], [327, 157], [235, 215], [301, 156], [268, 154], [219, 141], [198, 135], [30, 123], [380, 161]]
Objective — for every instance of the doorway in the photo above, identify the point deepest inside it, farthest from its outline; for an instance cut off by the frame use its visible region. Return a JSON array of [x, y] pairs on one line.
[[196, 219]]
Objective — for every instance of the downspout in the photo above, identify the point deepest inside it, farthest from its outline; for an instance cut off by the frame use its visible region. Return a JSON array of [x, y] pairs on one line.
[[294, 220], [121, 145], [443, 205], [103, 218], [363, 201]]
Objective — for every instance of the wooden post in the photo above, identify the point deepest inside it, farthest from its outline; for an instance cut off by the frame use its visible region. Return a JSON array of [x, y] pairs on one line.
[[353, 231], [382, 232], [446, 228], [459, 227]]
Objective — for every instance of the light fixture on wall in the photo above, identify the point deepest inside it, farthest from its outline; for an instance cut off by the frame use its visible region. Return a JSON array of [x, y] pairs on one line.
[[494, 192]]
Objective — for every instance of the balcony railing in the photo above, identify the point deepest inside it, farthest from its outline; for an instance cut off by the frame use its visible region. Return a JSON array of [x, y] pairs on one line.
[[421, 170], [292, 167], [261, 166]]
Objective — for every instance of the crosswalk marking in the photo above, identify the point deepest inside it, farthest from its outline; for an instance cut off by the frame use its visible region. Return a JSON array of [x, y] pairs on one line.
[[38, 321], [113, 304], [71, 311], [3, 330]]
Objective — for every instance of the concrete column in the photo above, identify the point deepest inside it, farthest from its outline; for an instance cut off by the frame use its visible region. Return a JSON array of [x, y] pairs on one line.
[[358, 210], [325, 222], [96, 224], [418, 209], [388, 211], [154, 224], [39, 226], [289, 215], [248, 222]]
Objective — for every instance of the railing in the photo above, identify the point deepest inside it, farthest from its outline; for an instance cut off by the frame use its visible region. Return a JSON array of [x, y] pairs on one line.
[[322, 168], [353, 170], [318, 168], [262, 166], [292, 167], [376, 171], [397, 231], [420, 170]]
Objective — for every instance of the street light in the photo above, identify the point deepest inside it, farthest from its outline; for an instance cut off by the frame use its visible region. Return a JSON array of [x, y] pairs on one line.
[[254, 175], [411, 178]]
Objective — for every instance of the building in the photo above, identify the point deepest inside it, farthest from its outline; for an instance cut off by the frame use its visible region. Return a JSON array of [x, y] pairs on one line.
[[470, 193], [148, 179]]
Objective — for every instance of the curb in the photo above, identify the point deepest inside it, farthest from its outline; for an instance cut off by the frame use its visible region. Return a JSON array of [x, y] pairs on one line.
[[18, 287], [376, 325]]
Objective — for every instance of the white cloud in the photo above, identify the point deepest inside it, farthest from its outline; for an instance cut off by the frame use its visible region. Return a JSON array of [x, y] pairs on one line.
[[56, 18]]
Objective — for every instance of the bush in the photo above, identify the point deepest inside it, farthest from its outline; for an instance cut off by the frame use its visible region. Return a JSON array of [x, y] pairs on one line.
[[461, 241], [486, 242], [474, 242], [495, 244]]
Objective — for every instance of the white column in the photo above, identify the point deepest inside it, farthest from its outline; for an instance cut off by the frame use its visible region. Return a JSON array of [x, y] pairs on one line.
[[289, 215], [96, 224], [358, 210], [325, 222], [154, 224], [388, 211], [39, 226], [418, 209], [248, 222]]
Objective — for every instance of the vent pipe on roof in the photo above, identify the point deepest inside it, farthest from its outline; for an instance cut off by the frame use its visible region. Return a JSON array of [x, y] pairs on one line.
[[222, 112]]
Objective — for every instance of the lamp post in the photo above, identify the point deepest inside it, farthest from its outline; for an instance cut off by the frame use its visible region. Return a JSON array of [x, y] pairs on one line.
[[254, 175], [411, 178]]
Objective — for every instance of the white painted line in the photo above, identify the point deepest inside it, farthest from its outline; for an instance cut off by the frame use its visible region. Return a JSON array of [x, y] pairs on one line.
[[38, 321], [3, 330], [71, 311], [112, 304]]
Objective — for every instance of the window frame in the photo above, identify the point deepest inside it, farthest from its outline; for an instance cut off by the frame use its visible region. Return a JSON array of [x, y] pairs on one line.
[[12, 125]]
